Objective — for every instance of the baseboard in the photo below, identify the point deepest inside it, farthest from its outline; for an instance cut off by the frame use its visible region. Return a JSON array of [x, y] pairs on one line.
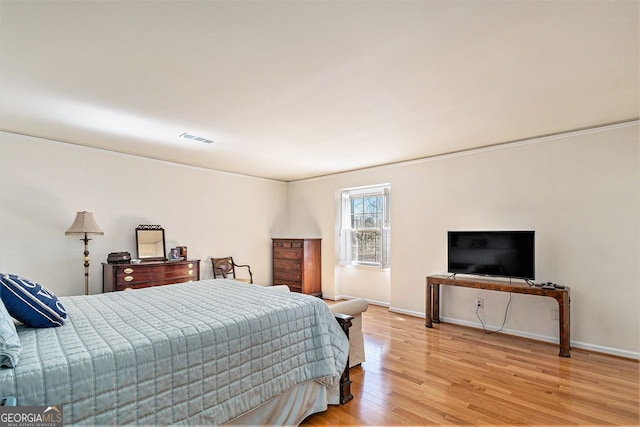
[[407, 312], [606, 350], [574, 344], [368, 300]]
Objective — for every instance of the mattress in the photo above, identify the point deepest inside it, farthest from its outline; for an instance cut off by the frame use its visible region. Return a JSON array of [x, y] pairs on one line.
[[204, 352]]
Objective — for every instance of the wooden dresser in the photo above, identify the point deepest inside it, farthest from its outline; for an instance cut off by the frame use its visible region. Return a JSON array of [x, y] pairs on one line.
[[120, 277], [296, 263]]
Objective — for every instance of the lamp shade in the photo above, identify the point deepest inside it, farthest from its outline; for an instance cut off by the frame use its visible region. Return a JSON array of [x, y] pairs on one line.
[[84, 223]]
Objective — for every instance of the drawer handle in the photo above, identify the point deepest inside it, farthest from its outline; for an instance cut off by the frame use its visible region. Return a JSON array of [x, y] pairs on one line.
[[128, 270], [190, 265], [190, 272], [128, 278]]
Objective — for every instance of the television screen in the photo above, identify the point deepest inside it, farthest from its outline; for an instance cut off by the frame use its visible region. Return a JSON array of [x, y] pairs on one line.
[[492, 253]]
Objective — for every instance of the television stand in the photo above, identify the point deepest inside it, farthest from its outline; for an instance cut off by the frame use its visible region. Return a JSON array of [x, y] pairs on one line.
[[432, 288]]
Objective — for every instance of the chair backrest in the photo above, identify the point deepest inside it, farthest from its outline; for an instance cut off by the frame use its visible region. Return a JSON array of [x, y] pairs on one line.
[[223, 267]]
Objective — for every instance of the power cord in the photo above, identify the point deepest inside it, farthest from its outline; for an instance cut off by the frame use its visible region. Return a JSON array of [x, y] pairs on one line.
[[504, 321]]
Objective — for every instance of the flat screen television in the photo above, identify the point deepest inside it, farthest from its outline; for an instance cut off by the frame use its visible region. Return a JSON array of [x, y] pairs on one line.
[[492, 253]]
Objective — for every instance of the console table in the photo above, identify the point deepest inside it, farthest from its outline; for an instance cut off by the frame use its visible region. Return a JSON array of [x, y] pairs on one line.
[[432, 288]]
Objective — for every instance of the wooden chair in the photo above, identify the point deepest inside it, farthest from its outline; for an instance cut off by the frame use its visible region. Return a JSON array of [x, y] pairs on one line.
[[226, 268]]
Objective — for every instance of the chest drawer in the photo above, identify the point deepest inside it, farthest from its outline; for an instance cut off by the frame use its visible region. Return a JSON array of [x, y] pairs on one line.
[[293, 276], [286, 265], [293, 286], [288, 244], [282, 253]]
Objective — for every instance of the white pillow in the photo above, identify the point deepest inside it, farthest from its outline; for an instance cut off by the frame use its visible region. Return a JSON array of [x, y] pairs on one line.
[[10, 346]]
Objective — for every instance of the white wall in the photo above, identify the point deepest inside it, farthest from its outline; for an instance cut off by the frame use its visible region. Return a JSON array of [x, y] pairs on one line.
[[580, 192], [44, 183]]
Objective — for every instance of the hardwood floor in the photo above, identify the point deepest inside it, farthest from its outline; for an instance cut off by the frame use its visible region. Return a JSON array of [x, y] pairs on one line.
[[454, 375]]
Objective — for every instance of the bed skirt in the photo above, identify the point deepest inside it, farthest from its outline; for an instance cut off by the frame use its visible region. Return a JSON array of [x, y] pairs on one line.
[[291, 407]]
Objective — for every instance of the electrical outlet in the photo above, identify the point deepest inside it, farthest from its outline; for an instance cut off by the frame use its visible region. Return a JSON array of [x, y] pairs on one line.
[[479, 302], [554, 314]]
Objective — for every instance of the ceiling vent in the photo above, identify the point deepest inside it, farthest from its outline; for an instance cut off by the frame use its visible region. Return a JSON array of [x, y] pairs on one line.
[[196, 138]]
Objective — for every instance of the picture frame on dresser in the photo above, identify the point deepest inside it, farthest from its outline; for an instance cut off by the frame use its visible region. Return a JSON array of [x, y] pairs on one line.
[[183, 252], [174, 254]]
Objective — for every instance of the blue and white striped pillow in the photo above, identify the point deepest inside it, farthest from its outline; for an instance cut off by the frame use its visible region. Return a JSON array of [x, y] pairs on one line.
[[31, 303]]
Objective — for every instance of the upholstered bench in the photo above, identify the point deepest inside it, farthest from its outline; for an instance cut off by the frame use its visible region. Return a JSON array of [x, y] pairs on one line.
[[353, 307]]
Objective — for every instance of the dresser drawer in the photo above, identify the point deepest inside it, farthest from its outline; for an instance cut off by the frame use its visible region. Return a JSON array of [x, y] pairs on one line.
[[286, 265], [133, 276], [146, 275], [288, 244], [287, 275], [285, 269], [282, 253], [293, 286], [159, 269], [139, 285]]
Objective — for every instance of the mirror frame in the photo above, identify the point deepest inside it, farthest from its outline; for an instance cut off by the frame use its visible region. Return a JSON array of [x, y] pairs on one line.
[[145, 229]]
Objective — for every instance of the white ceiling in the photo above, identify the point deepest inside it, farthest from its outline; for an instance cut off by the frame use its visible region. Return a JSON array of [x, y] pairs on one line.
[[296, 89]]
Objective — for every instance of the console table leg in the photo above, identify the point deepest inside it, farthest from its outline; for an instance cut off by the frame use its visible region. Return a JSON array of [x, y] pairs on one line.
[[564, 325], [435, 302], [428, 296], [432, 295]]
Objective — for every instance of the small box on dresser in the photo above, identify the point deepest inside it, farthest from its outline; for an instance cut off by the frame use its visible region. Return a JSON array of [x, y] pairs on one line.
[[297, 264], [120, 277]]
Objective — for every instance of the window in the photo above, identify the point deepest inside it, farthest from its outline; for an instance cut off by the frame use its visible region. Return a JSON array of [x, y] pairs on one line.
[[365, 226]]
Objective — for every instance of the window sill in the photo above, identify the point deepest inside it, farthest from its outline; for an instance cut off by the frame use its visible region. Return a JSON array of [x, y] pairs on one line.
[[365, 267]]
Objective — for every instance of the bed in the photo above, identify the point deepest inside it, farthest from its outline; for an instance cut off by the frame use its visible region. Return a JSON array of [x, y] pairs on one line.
[[209, 352]]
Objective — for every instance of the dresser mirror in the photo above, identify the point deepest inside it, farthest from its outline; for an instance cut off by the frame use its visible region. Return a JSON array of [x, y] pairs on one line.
[[150, 243]]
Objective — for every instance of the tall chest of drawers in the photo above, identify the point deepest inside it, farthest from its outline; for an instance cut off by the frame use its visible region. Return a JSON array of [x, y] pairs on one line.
[[120, 277], [296, 263]]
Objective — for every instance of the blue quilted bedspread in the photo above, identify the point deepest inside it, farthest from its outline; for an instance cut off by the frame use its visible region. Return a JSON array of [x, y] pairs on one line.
[[195, 353]]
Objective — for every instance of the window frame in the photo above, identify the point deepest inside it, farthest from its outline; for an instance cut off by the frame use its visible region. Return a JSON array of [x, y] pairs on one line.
[[346, 228]]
